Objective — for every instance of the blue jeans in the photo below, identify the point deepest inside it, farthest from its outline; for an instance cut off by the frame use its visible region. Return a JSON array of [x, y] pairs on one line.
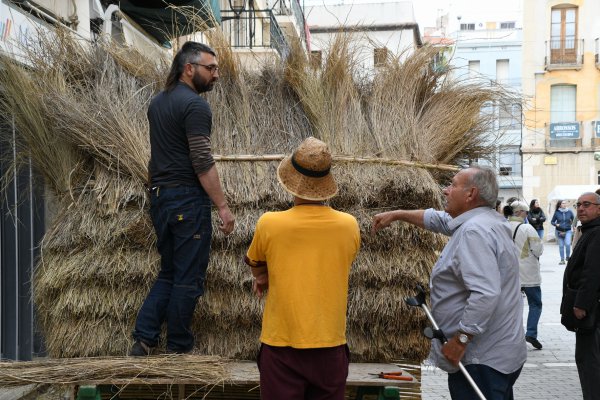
[[493, 384], [564, 242], [540, 233], [182, 220], [534, 299]]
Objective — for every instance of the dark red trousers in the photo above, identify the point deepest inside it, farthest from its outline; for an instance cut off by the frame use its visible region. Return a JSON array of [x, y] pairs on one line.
[[303, 374]]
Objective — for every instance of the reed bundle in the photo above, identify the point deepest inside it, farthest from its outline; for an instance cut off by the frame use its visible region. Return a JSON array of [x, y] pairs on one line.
[[207, 370], [80, 111]]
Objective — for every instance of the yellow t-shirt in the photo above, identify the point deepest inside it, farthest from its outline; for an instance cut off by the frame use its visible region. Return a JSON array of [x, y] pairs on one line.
[[308, 250]]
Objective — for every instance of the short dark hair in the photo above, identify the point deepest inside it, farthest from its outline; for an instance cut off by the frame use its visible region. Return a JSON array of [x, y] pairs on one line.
[[187, 54]]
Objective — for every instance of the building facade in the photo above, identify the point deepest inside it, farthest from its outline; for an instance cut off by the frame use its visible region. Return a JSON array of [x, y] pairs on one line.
[[487, 48], [561, 78], [378, 30], [492, 51]]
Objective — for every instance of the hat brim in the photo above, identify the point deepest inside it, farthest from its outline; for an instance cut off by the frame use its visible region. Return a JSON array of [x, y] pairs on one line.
[[305, 187]]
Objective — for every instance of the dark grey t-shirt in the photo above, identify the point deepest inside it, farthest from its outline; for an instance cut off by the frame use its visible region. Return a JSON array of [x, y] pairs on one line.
[[173, 116]]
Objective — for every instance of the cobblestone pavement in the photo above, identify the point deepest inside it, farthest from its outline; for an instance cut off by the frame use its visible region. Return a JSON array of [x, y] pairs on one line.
[[549, 373]]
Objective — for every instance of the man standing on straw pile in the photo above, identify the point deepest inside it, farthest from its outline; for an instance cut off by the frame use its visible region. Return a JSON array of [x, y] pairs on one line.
[[183, 181], [475, 292], [303, 257]]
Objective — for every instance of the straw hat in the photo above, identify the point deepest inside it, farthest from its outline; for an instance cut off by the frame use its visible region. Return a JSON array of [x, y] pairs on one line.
[[519, 206], [307, 172]]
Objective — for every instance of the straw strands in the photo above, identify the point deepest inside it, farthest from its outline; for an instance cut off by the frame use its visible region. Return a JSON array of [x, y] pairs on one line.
[[80, 112], [207, 370]]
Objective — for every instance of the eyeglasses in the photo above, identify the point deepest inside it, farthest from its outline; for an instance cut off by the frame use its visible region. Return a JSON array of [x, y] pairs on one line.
[[211, 68], [585, 204]]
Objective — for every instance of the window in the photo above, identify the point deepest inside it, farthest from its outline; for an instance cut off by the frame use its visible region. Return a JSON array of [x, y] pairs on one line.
[[509, 116], [316, 58], [474, 68], [509, 161], [467, 27], [502, 71], [563, 35], [563, 103], [507, 25], [380, 56]]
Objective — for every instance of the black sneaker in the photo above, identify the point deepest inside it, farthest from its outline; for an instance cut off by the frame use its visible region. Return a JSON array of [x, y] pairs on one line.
[[562, 262], [140, 349], [534, 342]]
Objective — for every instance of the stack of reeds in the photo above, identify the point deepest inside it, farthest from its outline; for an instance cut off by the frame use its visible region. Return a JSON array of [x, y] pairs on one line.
[[80, 114]]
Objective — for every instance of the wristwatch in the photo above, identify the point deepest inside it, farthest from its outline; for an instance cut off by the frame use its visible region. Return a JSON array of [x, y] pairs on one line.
[[463, 338]]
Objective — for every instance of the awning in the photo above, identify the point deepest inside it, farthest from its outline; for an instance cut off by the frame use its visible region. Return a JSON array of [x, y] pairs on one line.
[[164, 23]]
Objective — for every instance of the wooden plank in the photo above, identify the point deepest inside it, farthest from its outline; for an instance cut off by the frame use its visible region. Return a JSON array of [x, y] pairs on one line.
[[242, 382], [246, 373]]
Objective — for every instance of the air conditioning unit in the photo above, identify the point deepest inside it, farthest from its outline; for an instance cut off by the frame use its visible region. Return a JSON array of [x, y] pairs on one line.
[[505, 171]]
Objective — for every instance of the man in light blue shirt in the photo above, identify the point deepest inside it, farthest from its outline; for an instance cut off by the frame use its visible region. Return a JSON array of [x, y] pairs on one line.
[[475, 289]]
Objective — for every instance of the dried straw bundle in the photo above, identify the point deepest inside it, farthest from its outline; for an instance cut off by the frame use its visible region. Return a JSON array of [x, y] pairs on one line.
[[203, 370], [81, 114]]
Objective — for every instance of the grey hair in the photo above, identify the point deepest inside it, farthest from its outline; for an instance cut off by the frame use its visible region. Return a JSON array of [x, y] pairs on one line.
[[484, 179], [596, 195]]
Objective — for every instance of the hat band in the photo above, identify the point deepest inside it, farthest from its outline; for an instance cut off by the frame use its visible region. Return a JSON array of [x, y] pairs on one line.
[[308, 172]]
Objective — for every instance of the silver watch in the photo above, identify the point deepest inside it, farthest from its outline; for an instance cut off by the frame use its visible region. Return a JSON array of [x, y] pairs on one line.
[[463, 338]]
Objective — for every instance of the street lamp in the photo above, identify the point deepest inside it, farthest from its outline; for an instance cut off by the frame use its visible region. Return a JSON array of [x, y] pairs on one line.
[[238, 7]]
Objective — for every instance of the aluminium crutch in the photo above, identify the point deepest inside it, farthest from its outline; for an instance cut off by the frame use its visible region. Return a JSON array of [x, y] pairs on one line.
[[419, 301]]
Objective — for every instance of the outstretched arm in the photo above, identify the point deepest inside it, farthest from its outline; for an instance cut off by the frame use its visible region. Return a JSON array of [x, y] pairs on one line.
[[385, 219]]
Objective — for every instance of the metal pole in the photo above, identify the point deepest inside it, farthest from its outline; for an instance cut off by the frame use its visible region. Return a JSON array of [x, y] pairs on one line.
[[460, 364]]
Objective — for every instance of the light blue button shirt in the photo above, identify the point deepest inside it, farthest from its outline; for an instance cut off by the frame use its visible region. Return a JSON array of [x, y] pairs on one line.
[[475, 288]]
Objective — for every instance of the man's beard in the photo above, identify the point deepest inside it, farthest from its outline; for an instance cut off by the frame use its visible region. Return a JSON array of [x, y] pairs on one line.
[[202, 86]]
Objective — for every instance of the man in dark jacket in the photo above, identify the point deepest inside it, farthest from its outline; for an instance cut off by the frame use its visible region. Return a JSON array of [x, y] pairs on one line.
[[583, 274]]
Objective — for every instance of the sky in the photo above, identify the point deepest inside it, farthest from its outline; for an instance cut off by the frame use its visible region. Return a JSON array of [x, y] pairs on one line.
[[426, 11]]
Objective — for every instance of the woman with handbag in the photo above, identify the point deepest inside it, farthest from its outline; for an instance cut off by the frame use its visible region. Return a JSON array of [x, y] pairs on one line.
[[563, 221]]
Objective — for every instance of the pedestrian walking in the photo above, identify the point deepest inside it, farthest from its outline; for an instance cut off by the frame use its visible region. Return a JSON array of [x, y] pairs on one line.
[[530, 249], [563, 221], [183, 185], [300, 258], [475, 292]]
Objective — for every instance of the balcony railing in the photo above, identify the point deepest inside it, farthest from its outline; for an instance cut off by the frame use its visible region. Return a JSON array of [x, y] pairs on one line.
[[564, 54], [254, 29], [292, 9]]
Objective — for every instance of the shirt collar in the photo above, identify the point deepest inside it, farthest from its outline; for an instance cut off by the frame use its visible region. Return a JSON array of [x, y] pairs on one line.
[[462, 218]]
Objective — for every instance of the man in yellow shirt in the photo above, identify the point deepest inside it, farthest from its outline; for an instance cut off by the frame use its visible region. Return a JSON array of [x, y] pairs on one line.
[[302, 258]]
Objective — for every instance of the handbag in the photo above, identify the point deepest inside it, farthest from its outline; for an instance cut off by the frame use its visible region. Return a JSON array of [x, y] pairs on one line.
[[568, 319]]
